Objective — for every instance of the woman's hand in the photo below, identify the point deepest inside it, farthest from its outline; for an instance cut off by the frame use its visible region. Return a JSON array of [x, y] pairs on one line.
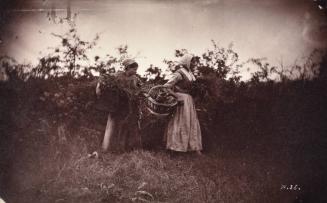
[[98, 90], [170, 91], [179, 102], [143, 94]]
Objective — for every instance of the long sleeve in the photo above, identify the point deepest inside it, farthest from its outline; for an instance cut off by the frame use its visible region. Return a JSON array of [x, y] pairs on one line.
[[98, 90], [99, 85], [173, 80]]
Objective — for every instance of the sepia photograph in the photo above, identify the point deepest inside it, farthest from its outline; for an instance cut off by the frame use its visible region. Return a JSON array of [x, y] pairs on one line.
[[163, 101]]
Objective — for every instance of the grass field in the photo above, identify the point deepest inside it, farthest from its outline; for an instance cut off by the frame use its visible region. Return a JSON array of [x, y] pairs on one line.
[[58, 169]]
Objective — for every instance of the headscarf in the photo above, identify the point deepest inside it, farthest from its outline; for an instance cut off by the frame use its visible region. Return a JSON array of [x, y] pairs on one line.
[[128, 62], [186, 61]]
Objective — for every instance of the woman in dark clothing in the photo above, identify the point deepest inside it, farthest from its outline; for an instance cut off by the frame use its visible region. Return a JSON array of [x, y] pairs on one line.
[[122, 132]]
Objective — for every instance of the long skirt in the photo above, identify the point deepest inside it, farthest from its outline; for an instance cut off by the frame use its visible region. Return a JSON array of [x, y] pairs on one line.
[[183, 131], [122, 134]]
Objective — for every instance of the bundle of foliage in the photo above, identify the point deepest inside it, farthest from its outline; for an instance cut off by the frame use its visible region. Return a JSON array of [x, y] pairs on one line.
[[162, 96]]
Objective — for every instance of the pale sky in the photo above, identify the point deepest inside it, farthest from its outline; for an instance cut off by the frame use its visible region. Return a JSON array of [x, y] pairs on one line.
[[279, 30]]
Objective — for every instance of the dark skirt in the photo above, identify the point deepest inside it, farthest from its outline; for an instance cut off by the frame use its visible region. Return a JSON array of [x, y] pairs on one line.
[[122, 130]]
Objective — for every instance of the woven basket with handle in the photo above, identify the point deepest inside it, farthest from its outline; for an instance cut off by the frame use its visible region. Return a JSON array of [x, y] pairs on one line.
[[160, 108]]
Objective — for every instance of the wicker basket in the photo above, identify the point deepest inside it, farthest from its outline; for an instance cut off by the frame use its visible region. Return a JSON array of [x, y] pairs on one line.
[[159, 109]]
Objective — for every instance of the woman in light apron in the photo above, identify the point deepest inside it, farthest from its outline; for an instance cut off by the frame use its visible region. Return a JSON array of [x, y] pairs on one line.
[[183, 131]]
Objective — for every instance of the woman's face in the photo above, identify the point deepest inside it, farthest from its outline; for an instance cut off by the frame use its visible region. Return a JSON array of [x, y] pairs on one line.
[[132, 70], [194, 63]]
